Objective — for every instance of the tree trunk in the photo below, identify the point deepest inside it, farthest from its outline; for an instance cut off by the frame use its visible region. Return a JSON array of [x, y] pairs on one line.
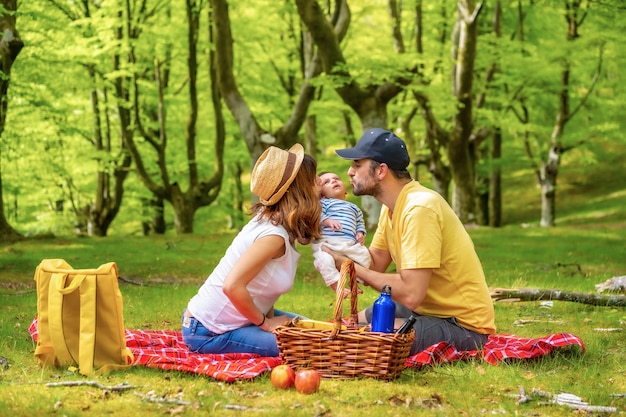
[[549, 172], [490, 196], [310, 134], [158, 218], [436, 137], [7, 233], [109, 185], [482, 186], [10, 46], [153, 216], [495, 181], [184, 211], [441, 178], [237, 219], [458, 147]]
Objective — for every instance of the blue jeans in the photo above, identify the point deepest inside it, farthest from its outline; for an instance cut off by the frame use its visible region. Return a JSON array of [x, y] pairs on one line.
[[248, 339], [430, 330]]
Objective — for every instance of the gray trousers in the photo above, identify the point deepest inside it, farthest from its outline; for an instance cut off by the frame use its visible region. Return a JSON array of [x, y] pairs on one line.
[[430, 330]]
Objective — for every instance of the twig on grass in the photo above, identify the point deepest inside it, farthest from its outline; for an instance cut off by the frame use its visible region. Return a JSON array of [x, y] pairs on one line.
[[568, 400], [130, 281], [241, 407], [124, 386], [522, 397], [153, 398]]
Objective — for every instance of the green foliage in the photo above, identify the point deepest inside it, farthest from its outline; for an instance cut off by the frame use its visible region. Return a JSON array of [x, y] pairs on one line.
[[49, 126]]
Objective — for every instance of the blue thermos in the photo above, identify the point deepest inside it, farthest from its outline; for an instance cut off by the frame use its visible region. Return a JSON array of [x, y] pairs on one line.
[[384, 313]]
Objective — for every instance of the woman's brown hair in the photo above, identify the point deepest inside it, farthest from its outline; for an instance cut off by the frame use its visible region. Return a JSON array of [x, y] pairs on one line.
[[299, 210]]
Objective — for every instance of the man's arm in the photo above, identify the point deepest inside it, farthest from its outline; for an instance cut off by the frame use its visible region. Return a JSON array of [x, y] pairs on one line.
[[408, 287]]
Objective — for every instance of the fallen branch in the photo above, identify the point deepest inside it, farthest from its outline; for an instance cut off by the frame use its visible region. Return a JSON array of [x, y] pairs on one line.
[[566, 399], [573, 401], [124, 386], [153, 398], [530, 294]]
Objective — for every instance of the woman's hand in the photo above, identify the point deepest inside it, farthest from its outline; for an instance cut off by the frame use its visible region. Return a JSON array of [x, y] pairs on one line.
[[273, 322]]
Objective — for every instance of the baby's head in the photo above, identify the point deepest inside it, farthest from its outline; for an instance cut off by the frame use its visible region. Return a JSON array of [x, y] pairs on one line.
[[332, 186]]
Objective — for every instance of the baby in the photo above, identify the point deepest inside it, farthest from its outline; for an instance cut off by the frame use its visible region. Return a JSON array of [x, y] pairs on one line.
[[343, 230]]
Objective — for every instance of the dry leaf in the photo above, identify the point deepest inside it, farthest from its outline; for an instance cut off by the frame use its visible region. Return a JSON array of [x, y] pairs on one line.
[[395, 400], [176, 410]]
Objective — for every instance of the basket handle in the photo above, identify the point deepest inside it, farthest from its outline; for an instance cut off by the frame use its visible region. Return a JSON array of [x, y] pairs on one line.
[[347, 271]]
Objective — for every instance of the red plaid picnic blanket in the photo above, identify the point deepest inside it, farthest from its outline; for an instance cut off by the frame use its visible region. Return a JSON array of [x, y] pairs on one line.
[[164, 349], [499, 347]]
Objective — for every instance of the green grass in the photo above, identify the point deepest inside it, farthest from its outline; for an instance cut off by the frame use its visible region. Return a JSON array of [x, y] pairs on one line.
[[587, 247]]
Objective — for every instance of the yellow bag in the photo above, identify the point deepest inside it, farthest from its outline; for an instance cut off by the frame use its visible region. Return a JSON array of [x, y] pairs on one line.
[[80, 318]]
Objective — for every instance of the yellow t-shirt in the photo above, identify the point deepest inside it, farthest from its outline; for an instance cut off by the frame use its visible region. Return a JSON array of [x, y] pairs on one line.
[[424, 232]]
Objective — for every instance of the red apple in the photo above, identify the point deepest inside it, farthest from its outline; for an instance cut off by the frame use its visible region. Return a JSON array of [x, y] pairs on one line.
[[307, 381], [282, 377]]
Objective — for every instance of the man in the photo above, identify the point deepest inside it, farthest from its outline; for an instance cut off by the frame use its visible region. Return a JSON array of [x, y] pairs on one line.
[[438, 274]]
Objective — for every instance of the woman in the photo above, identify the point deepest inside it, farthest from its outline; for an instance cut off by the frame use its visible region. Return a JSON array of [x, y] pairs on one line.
[[234, 309]]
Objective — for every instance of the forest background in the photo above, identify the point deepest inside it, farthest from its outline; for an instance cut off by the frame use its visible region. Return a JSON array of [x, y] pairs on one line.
[[128, 117]]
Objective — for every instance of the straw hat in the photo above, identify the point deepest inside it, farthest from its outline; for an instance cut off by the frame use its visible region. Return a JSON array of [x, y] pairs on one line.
[[274, 172]]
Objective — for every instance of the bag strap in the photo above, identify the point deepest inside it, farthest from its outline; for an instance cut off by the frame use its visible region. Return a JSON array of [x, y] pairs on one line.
[[44, 352], [74, 285], [60, 266], [55, 317], [87, 343], [88, 317]]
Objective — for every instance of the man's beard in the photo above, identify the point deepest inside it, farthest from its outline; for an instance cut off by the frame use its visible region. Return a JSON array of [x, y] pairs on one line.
[[372, 188]]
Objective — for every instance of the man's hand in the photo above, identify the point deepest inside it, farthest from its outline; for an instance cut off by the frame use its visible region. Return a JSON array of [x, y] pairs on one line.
[[346, 291], [339, 259]]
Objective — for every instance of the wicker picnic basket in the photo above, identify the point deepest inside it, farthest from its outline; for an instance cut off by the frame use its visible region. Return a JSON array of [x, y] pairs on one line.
[[344, 351]]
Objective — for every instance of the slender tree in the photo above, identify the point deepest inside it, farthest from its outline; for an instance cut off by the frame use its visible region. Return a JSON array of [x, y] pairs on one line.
[[546, 167], [489, 191], [10, 46], [575, 15], [458, 147]]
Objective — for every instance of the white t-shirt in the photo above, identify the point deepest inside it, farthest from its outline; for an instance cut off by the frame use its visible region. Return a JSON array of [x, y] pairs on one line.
[[213, 308]]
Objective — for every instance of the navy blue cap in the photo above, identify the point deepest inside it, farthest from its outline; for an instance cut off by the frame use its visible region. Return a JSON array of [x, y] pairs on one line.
[[382, 146]]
